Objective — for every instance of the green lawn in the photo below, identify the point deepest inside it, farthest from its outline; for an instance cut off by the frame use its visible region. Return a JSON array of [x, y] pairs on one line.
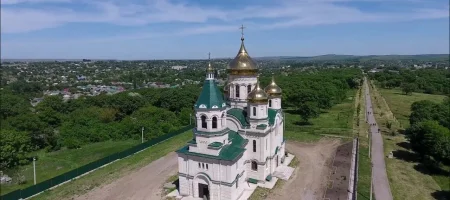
[[51, 164], [336, 121], [400, 104], [117, 169]]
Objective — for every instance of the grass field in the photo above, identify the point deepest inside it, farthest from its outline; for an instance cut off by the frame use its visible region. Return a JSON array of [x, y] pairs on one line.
[[51, 164], [117, 169], [336, 121], [407, 177], [400, 104]]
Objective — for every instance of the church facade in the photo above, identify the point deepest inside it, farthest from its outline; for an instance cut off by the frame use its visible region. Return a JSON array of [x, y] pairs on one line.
[[238, 138]]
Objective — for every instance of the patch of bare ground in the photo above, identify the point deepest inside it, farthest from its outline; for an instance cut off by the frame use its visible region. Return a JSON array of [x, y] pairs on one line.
[[309, 179], [145, 183]]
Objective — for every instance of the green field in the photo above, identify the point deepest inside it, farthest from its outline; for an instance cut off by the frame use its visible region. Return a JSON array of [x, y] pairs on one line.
[[117, 169], [400, 104], [51, 164], [407, 177], [336, 121]]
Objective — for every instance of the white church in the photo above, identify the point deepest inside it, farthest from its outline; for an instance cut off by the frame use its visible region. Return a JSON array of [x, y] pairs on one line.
[[238, 138]]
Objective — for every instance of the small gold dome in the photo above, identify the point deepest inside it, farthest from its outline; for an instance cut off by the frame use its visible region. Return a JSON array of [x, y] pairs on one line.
[[242, 64], [273, 90], [210, 68], [257, 95]]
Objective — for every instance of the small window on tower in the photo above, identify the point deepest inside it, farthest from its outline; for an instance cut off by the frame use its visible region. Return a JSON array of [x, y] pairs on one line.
[[204, 124], [249, 88], [254, 166], [254, 111], [206, 166], [270, 103], [254, 145], [199, 166], [237, 91], [214, 122]]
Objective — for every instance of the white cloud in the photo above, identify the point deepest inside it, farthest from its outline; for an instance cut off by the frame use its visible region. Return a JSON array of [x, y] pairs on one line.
[[287, 13]]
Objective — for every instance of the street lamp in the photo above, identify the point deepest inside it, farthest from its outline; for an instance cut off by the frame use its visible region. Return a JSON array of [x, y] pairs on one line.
[[34, 169]]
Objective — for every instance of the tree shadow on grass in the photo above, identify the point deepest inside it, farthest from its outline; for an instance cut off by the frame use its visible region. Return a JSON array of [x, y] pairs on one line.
[[441, 195], [406, 155], [405, 145], [303, 123], [431, 169]]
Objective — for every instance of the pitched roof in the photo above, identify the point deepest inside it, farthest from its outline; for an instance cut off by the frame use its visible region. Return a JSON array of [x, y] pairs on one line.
[[211, 97], [230, 151]]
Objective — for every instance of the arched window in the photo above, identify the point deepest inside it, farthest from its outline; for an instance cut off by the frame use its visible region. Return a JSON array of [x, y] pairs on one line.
[[270, 103], [254, 145], [214, 122], [204, 124], [237, 91], [254, 166], [254, 111], [249, 88]]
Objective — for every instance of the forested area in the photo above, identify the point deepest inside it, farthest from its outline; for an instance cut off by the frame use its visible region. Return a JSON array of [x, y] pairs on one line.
[[428, 80], [309, 93], [54, 124], [429, 132]]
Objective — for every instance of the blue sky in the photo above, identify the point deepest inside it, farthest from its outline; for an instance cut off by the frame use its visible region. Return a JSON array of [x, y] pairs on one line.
[[177, 29]]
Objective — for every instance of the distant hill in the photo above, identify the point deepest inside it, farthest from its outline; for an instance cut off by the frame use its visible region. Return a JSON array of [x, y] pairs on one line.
[[428, 57]]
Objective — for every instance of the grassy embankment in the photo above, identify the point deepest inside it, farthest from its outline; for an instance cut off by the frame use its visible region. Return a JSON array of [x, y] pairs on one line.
[[407, 176], [335, 121], [117, 169], [52, 164]]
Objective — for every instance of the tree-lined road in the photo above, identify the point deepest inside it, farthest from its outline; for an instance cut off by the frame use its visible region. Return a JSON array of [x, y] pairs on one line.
[[380, 180]]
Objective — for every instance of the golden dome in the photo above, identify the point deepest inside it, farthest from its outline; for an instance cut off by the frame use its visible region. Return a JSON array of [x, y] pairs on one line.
[[257, 95], [273, 89], [210, 68], [242, 64]]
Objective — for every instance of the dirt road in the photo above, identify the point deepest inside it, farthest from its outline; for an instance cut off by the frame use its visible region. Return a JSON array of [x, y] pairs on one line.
[[144, 183], [380, 180], [310, 178]]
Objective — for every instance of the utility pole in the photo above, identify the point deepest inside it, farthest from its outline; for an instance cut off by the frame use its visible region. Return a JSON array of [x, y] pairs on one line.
[[34, 169], [142, 135]]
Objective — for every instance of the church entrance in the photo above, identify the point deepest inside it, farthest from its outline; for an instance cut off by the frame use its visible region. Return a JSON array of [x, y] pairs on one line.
[[203, 191]]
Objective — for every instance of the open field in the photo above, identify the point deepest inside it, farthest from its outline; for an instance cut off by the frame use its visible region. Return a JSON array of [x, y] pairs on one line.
[[116, 170], [400, 104], [407, 178], [336, 121], [51, 164], [309, 179]]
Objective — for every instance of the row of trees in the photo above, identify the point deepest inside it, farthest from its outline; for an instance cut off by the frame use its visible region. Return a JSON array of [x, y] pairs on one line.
[[429, 132], [427, 80], [54, 124]]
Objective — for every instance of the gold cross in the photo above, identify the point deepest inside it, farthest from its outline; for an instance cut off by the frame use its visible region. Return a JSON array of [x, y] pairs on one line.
[[242, 30]]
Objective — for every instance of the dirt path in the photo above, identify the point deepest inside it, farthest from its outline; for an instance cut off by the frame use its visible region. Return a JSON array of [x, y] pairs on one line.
[[381, 186], [309, 179], [143, 184]]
